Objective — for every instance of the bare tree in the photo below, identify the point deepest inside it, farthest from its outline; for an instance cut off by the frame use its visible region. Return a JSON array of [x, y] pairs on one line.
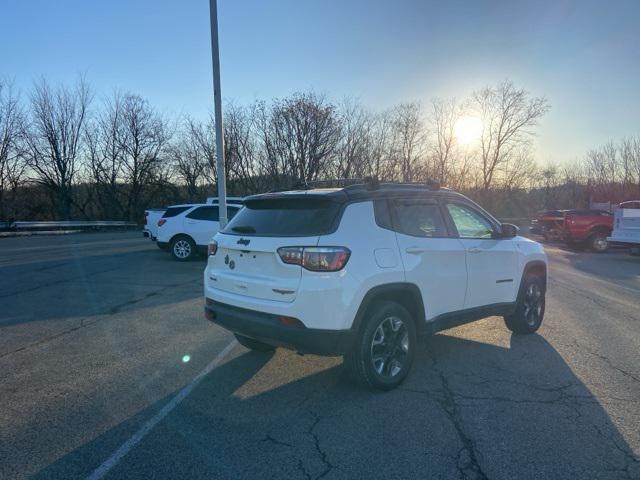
[[409, 140], [54, 137], [12, 165], [272, 166], [192, 158], [304, 131], [518, 171], [142, 137], [382, 164], [450, 162], [508, 115], [630, 156], [106, 157], [354, 151], [241, 148], [603, 170]]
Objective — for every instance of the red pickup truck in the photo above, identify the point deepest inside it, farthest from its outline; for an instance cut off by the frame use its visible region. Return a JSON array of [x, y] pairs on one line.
[[588, 227]]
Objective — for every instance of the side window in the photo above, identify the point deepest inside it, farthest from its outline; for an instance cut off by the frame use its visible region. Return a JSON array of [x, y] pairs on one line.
[[204, 213], [418, 218], [469, 223], [381, 211], [174, 211]]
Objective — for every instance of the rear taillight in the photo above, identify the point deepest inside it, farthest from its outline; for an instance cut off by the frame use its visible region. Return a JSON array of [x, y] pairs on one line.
[[316, 259], [162, 221], [213, 248], [291, 255]]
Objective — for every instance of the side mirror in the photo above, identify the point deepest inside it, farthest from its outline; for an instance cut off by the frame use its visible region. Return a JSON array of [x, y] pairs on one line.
[[509, 230]]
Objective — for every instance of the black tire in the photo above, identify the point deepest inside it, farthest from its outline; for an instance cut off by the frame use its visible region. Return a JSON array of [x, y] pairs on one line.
[[388, 330], [634, 251], [598, 242], [252, 344], [530, 307], [183, 248]]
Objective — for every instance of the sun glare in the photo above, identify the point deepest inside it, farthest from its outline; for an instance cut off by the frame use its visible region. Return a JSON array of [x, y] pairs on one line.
[[468, 129]]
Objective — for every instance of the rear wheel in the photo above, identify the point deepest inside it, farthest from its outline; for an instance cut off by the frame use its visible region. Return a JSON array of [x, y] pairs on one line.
[[252, 344], [598, 242], [384, 350], [530, 307], [183, 248]]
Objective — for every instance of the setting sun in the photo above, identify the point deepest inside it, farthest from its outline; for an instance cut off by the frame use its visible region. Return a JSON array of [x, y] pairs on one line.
[[468, 129]]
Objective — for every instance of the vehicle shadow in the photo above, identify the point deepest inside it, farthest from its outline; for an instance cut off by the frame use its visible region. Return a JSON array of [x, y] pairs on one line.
[[95, 284], [468, 410]]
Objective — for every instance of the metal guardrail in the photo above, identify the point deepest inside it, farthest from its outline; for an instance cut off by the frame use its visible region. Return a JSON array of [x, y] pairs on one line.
[[84, 225]]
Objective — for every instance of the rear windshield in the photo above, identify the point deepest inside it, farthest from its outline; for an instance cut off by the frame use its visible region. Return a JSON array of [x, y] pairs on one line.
[[288, 217], [173, 211]]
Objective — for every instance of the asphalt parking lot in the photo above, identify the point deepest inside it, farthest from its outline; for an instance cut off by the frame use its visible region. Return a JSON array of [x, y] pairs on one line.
[[108, 369]]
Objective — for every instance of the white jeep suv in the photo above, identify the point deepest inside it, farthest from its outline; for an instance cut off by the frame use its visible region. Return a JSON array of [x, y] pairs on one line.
[[362, 271]]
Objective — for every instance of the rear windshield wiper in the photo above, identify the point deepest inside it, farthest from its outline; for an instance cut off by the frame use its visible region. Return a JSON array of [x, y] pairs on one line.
[[243, 229]]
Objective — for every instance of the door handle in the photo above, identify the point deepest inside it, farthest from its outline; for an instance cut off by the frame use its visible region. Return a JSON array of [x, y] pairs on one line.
[[414, 250], [191, 223], [474, 250]]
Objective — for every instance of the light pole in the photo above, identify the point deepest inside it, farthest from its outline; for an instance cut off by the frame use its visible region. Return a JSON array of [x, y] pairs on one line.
[[217, 101]]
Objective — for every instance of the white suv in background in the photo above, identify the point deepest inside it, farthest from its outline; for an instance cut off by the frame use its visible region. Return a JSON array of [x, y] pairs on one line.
[[186, 230], [362, 271]]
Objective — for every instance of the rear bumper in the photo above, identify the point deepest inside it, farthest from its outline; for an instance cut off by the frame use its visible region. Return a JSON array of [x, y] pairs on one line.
[[267, 328]]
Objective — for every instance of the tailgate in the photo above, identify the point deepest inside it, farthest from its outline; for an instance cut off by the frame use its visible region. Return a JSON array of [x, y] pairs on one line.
[[251, 266]]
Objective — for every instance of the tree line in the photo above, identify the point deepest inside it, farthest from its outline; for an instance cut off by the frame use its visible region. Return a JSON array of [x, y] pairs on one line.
[[66, 154]]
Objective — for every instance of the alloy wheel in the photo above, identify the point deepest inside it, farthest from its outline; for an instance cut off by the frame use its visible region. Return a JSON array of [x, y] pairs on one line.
[[390, 347], [182, 249], [533, 303]]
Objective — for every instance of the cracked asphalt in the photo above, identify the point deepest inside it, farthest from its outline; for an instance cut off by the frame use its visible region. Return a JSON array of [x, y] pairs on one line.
[[98, 332]]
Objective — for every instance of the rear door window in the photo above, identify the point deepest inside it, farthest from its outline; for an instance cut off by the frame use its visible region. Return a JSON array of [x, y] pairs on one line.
[[285, 217], [418, 218], [173, 211], [204, 213]]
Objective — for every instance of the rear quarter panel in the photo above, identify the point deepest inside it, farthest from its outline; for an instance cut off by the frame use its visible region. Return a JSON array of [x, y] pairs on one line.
[[374, 261]]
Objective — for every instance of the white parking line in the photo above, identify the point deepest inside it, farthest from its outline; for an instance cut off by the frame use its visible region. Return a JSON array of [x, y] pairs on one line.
[[127, 446]]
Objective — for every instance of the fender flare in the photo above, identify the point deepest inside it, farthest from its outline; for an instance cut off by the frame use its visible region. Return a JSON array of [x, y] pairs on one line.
[[407, 293], [181, 235], [531, 266]]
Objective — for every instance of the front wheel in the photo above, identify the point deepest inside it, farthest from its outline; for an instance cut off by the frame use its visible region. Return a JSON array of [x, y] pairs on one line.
[[384, 350], [530, 307]]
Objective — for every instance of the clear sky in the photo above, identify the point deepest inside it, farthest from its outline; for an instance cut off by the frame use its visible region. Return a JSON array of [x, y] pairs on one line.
[[583, 55]]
